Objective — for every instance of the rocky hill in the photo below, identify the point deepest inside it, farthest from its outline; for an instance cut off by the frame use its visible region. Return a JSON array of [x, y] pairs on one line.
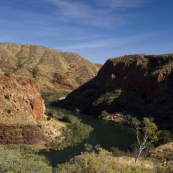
[[53, 70], [140, 85]]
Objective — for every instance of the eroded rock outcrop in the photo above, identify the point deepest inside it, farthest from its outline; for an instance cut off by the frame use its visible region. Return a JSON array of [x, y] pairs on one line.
[[20, 97], [140, 85], [21, 108]]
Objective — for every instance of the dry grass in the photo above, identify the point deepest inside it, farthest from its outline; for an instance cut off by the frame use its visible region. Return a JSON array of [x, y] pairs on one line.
[[17, 118], [164, 151], [130, 161], [51, 128]]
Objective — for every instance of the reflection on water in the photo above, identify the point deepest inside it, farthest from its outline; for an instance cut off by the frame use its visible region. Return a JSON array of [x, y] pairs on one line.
[[106, 134]]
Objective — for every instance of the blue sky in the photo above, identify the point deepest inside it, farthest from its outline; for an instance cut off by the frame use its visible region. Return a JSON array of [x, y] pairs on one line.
[[95, 29]]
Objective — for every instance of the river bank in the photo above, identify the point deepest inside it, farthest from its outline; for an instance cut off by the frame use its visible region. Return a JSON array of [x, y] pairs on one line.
[[107, 134]]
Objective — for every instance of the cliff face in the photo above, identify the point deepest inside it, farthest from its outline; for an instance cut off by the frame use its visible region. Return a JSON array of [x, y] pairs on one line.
[[151, 76], [141, 85], [21, 107], [53, 70], [20, 100]]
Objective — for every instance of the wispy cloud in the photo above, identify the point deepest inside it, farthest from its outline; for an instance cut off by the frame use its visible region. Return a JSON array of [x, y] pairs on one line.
[[123, 4], [79, 12], [113, 42], [98, 14]]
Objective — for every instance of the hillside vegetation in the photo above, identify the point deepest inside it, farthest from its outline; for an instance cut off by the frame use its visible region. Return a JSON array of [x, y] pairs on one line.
[[26, 159], [53, 70]]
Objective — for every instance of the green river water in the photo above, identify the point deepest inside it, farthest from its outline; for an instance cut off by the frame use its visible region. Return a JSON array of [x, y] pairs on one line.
[[106, 134]]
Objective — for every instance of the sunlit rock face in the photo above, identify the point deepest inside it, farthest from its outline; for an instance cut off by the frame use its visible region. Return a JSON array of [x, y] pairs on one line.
[[21, 108], [20, 97]]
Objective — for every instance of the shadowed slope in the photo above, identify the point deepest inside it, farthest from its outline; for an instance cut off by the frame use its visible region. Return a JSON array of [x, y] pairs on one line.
[[140, 85]]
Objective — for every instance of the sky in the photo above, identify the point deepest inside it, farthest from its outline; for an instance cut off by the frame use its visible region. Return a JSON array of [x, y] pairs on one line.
[[95, 29]]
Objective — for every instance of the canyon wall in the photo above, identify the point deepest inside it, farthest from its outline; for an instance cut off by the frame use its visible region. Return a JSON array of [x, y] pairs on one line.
[[140, 85]]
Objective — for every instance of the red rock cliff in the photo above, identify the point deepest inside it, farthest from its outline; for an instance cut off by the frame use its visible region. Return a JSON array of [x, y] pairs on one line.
[[21, 108], [149, 75], [20, 100]]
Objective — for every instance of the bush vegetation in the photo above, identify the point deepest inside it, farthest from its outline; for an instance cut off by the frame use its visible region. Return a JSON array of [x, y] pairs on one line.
[[72, 135], [50, 97], [57, 115], [101, 161], [117, 152], [8, 74], [164, 137], [104, 115], [25, 159], [9, 111], [7, 96], [74, 132], [22, 160]]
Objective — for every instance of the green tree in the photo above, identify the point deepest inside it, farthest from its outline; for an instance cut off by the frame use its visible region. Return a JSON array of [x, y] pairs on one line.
[[104, 114], [164, 137], [146, 132]]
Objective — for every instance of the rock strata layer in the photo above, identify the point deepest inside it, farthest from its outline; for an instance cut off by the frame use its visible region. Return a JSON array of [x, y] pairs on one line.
[[20, 134]]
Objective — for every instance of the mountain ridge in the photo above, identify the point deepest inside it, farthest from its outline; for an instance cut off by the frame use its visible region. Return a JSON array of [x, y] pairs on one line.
[[53, 70]]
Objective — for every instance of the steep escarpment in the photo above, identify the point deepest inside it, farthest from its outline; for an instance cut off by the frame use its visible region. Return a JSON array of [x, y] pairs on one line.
[[140, 85], [21, 108], [20, 100], [53, 70]]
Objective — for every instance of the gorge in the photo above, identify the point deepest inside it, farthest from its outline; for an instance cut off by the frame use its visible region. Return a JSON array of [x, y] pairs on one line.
[[139, 85]]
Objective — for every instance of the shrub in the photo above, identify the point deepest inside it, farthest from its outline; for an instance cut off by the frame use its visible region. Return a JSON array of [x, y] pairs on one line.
[[51, 97], [77, 110], [8, 74], [104, 115], [70, 119], [7, 96], [9, 111], [48, 118], [164, 137], [54, 114], [39, 125], [117, 152]]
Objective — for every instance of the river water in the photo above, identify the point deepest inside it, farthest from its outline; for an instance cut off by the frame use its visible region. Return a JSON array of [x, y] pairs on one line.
[[106, 134]]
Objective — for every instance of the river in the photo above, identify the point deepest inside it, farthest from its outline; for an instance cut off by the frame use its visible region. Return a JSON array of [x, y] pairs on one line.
[[106, 134]]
